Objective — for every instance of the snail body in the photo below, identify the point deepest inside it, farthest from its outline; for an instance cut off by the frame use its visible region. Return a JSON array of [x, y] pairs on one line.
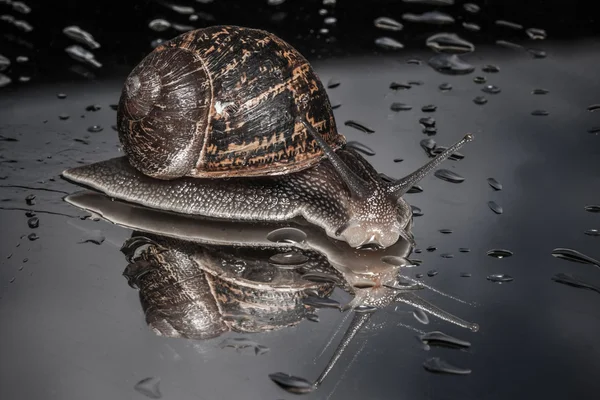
[[233, 123]]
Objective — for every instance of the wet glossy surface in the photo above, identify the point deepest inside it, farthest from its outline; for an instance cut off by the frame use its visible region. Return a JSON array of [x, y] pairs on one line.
[[73, 328]]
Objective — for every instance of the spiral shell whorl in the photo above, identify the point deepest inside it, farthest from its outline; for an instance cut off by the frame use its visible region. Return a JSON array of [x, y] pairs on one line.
[[163, 113]]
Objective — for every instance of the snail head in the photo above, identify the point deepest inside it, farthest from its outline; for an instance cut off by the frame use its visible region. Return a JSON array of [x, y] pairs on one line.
[[377, 215]]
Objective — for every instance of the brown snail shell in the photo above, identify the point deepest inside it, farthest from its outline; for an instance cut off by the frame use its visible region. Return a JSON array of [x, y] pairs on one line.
[[222, 102]]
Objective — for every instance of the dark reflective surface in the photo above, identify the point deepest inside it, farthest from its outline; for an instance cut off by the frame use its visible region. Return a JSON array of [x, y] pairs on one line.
[[73, 328]]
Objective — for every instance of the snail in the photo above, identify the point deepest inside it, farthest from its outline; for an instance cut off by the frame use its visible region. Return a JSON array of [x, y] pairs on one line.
[[199, 278], [233, 123]]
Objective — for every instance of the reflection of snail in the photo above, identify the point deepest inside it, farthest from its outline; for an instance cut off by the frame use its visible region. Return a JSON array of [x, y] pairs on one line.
[[233, 123], [199, 292], [191, 284]]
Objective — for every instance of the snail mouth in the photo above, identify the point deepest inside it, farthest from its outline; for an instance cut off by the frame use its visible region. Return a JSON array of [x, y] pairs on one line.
[[370, 247]]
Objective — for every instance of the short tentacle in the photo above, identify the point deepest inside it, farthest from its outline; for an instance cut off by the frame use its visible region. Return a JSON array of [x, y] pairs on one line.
[[357, 186], [401, 186]]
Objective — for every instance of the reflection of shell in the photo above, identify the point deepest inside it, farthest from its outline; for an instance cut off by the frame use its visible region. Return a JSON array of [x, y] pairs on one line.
[[200, 292]]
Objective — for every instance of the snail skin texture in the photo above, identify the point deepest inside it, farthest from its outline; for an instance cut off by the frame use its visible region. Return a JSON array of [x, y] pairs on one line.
[[272, 154]]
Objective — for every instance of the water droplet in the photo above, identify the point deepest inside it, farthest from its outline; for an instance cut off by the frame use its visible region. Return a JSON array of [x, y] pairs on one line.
[[149, 387], [495, 207], [465, 275], [491, 89], [81, 36], [448, 176], [95, 128], [418, 276], [388, 43], [431, 249], [444, 87], [330, 21], [574, 256], [432, 273], [400, 107], [490, 69], [540, 91], [397, 160], [359, 125], [398, 86], [289, 260], [450, 64], [93, 107], [592, 208], [333, 83], [494, 184], [388, 24], [437, 338], [287, 235], [421, 316], [414, 61], [416, 83], [570, 280], [479, 79], [594, 130], [428, 122], [437, 365], [431, 2], [78, 53], [592, 232], [416, 211], [22, 25], [292, 384], [61, 96], [537, 53], [275, 2], [183, 10], [499, 253], [429, 108], [397, 261], [464, 250], [536, 34], [159, 25], [33, 236], [447, 255], [429, 17], [24, 79], [449, 43], [540, 113], [321, 302], [428, 145], [480, 100], [510, 45], [33, 222], [415, 189], [593, 107], [4, 63], [30, 214], [446, 231], [508, 24], [156, 42], [4, 80], [30, 200], [363, 148], [470, 26], [472, 8], [500, 278], [312, 317], [365, 309], [243, 343], [64, 117]]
